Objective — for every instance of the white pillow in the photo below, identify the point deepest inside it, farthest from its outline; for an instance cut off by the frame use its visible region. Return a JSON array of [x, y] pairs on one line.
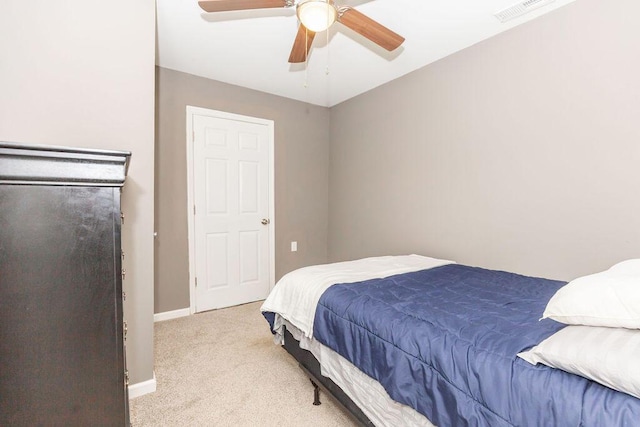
[[608, 356], [630, 266], [610, 298]]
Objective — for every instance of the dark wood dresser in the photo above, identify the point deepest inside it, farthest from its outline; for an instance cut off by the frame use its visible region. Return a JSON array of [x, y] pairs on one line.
[[62, 352]]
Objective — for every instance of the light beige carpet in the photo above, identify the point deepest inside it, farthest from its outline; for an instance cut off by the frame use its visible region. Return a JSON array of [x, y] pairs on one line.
[[221, 368]]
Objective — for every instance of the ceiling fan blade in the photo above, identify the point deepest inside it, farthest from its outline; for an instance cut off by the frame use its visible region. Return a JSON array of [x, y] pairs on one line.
[[374, 31], [301, 45], [226, 5]]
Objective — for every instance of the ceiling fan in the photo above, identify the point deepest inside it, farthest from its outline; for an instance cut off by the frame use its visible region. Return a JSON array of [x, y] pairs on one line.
[[314, 16]]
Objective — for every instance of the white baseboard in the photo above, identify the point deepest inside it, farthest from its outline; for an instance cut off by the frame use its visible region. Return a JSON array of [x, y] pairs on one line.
[[168, 315], [145, 387]]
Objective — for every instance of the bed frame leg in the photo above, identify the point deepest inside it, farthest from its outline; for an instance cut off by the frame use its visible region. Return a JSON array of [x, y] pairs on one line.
[[316, 393]]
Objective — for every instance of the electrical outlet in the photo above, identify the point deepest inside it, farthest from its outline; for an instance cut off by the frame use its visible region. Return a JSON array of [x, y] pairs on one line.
[[294, 246]]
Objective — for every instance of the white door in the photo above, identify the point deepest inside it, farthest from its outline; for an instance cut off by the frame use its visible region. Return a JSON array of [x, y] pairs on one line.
[[232, 206]]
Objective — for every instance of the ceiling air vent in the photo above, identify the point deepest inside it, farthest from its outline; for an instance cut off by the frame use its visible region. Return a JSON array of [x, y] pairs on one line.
[[519, 9]]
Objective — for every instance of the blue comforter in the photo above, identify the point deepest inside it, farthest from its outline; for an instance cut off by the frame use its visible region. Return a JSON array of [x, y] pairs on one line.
[[444, 341]]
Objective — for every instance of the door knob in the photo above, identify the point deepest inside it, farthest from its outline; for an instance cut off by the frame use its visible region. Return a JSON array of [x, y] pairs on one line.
[[265, 221]]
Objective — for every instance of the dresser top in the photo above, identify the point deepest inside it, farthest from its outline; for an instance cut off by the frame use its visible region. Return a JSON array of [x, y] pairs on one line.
[[53, 165]]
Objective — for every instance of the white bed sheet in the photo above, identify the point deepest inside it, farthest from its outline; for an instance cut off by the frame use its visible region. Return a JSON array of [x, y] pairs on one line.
[[297, 293], [365, 392]]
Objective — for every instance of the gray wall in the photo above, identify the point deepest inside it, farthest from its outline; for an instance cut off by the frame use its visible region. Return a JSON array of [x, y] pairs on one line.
[[519, 153], [80, 74], [301, 180]]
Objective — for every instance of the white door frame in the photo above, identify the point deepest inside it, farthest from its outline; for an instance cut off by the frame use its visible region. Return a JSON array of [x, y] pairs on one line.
[[193, 111]]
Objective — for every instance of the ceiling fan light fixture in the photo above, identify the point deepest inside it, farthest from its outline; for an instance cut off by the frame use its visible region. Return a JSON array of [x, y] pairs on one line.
[[317, 15]]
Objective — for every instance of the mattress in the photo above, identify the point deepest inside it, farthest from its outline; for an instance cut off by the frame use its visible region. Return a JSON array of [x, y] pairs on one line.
[[365, 392]]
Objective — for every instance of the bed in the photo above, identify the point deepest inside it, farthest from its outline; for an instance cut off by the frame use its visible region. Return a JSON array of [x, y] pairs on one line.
[[417, 341]]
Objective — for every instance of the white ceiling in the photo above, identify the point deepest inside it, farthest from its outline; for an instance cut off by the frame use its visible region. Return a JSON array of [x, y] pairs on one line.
[[251, 48]]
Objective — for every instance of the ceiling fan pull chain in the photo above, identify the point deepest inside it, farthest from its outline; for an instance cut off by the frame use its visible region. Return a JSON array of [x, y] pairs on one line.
[[328, 48], [306, 54]]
